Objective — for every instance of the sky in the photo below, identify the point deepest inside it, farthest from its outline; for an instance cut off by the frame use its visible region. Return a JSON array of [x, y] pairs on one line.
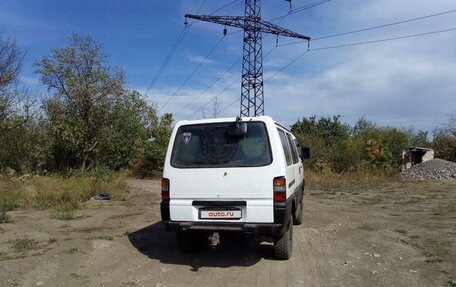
[[407, 82]]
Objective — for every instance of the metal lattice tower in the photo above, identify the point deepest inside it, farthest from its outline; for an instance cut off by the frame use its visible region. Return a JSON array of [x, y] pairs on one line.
[[252, 94]]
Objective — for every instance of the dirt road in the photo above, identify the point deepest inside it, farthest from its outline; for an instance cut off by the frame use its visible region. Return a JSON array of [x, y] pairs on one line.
[[390, 234]]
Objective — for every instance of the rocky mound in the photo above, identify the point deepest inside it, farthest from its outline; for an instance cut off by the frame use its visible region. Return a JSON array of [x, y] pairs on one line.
[[436, 169]]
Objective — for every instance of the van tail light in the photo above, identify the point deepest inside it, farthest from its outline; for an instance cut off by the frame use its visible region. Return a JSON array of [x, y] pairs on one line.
[[280, 189], [165, 189]]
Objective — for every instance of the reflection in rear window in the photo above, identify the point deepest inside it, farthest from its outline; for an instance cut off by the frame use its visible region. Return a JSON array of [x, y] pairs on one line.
[[210, 145]]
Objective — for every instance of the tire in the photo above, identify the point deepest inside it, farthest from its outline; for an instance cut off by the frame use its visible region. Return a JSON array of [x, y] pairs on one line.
[[283, 247], [188, 242], [297, 219]]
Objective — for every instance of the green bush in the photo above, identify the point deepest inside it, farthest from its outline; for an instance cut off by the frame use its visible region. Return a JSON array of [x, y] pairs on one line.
[[444, 145], [64, 211], [339, 148]]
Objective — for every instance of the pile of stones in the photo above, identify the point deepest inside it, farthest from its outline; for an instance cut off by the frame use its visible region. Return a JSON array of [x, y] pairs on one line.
[[436, 169]]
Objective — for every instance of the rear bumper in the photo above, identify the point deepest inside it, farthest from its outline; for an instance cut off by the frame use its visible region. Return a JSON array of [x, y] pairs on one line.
[[282, 216], [266, 229]]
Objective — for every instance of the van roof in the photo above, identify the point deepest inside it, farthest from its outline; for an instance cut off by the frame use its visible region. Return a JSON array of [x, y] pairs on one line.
[[283, 127], [220, 120]]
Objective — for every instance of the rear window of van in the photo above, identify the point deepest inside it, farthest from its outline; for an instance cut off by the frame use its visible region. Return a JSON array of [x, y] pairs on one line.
[[210, 145]]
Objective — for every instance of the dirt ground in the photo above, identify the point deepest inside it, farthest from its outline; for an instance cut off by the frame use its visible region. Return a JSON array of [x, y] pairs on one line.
[[385, 234]]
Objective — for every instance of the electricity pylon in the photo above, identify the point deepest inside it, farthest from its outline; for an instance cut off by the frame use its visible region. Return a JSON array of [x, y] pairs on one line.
[[252, 95]]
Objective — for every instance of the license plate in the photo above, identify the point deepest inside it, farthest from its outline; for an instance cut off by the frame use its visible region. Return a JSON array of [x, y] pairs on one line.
[[220, 214]]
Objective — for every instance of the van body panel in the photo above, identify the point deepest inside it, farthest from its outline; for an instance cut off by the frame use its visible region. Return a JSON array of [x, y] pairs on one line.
[[293, 170], [223, 184], [256, 211]]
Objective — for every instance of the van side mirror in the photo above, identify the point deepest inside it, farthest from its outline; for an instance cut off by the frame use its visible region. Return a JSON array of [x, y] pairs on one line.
[[305, 153]]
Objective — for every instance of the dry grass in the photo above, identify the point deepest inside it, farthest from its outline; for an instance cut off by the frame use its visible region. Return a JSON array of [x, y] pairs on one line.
[[335, 182], [5, 256], [107, 237], [445, 208], [88, 229], [435, 249], [63, 194], [370, 226], [20, 244], [64, 212]]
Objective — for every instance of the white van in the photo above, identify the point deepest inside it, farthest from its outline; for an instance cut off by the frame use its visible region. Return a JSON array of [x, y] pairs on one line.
[[233, 175]]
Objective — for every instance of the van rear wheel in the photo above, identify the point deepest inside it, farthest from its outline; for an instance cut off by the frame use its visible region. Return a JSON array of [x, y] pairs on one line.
[[283, 246], [297, 220]]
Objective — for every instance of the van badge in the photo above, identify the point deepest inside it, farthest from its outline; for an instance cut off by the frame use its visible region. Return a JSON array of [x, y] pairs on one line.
[[187, 137]]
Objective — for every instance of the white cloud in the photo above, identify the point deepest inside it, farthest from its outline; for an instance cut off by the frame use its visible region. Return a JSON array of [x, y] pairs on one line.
[[30, 81], [189, 101], [199, 59]]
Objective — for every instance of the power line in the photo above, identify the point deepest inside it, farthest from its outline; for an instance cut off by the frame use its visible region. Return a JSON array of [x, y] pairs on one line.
[[171, 53], [226, 88], [201, 7], [374, 27], [179, 40], [225, 108], [268, 79], [223, 7], [252, 91], [384, 40], [207, 103], [354, 31], [167, 59], [232, 66], [193, 73], [347, 45], [281, 18], [210, 86], [303, 8], [328, 47], [219, 78], [286, 66], [362, 43], [385, 25]]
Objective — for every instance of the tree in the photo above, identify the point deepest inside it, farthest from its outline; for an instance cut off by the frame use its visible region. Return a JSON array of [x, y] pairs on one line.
[[16, 129], [444, 142], [11, 59], [149, 155], [420, 139], [322, 136], [444, 145], [85, 94], [362, 125], [24, 145], [130, 123]]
